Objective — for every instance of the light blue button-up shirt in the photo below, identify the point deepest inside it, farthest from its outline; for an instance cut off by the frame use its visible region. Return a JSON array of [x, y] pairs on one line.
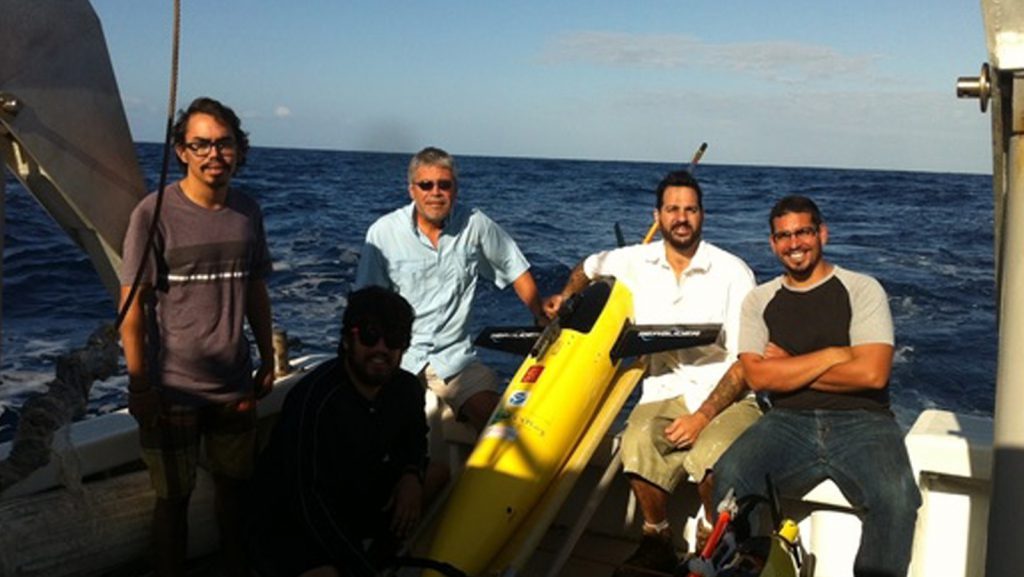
[[439, 282]]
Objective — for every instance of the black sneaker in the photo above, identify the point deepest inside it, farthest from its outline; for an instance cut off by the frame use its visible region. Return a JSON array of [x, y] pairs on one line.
[[655, 556]]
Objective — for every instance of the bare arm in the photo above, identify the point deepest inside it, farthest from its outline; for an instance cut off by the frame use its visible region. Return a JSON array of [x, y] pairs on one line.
[[730, 388], [684, 431], [526, 289], [865, 367], [133, 339], [578, 280], [777, 371], [868, 369], [143, 399], [262, 324]]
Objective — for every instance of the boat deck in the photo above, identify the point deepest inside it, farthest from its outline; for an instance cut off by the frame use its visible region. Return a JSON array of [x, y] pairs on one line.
[[594, 556]]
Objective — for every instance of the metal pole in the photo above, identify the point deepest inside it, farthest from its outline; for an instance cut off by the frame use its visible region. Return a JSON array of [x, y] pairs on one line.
[[1005, 556]]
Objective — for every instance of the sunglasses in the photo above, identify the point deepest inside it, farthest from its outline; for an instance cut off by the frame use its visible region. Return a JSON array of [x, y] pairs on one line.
[[428, 185], [370, 336]]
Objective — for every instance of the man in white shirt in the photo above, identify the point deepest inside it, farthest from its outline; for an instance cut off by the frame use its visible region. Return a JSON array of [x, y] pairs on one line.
[[695, 401]]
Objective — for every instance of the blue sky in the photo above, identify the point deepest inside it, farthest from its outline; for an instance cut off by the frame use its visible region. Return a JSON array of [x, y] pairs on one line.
[[867, 84]]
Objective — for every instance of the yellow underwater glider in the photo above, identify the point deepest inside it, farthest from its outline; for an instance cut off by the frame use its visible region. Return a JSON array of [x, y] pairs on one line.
[[563, 397]]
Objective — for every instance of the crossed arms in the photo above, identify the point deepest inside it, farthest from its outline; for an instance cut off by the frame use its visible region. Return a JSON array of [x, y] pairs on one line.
[[832, 369]]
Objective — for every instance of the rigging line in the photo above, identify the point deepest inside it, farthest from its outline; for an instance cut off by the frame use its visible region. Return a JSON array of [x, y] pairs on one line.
[[133, 293], [171, 104]]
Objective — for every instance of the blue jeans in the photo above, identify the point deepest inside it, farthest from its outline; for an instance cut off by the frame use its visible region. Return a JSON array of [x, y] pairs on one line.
[[861, 451]]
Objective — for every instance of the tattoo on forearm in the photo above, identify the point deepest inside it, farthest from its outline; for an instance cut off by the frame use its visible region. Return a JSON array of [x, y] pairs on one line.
[[730, 388]]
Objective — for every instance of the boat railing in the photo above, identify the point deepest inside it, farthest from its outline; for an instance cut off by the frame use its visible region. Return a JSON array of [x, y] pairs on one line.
[[1002, 83]]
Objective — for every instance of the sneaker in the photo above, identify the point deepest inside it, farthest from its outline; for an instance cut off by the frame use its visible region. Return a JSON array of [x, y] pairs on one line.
[[654, 556]]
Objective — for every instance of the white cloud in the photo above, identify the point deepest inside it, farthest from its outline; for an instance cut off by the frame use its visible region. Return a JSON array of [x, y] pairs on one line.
[[282, 112], [842, 128], [774, 61]]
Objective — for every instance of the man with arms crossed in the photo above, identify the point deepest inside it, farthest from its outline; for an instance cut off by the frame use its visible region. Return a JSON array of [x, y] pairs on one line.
[[189, 364], [432, 251], [819, 341], [686, 416]]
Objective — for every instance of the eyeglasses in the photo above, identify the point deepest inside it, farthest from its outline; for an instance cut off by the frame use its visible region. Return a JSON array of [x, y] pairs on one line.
[[805, 233], [370, 336], [202, 147], [428, 185]]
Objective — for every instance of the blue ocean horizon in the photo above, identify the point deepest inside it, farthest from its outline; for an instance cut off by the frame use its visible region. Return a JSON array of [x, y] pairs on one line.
[[927, 237]]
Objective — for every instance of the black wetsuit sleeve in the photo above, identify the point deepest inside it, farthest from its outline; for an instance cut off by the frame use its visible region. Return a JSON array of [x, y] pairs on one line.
[[411, 449]]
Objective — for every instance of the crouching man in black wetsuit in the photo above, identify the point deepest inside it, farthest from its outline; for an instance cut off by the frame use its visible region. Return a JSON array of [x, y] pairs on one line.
[[345, 463]]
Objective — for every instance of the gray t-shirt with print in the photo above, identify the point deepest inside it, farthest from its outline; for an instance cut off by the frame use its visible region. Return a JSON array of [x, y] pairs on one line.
[[205, 259]]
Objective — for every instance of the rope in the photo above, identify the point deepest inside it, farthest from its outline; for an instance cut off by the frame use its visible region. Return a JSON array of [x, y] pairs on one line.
[[171, 104]]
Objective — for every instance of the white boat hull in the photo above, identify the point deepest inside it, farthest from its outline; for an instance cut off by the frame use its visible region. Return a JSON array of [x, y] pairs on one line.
[[89, 509]]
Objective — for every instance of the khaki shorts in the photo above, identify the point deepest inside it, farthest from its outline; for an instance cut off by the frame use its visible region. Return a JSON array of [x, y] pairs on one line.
[[475, 378], [647, 454], [170, 449]]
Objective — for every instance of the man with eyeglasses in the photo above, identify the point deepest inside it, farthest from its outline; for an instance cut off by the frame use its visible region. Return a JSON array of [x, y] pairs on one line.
[[432, 251], [190, 371], [346, 459], [819, 341], [694, 401]]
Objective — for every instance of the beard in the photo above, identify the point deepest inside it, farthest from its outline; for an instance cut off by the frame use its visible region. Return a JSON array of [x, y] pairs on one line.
[[798, 274], [372, 375], [681, 244], [803, 268], [801, 272]]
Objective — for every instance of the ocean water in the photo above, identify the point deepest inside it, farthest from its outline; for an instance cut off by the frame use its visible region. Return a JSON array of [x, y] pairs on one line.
[[927, 237]]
